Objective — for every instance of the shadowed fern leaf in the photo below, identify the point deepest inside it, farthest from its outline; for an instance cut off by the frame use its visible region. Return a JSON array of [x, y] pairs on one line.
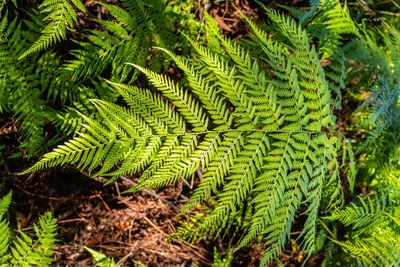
[[137, 28], [374, 236], [62, 16], [28, 86]]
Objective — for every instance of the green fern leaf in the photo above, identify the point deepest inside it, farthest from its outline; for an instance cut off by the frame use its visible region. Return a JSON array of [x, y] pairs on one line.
[[5, 203], [28, 252], [62, 17], [5, 237], [258, 138], [101, 260]]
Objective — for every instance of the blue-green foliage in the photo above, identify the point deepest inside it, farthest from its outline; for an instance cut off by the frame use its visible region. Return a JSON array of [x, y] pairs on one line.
[[371, 57], [380, 113]]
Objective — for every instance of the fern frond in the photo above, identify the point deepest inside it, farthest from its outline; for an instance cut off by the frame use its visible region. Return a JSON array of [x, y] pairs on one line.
[[336, 18], [217, 170], [5, 203], [5, 233], [186, 104], [261, 140], [314, 87], [374, 237], [302, 14], [28, 252], [242, 175], [232, 89], [137, 27], [122, 16], [158, 107], [212, 34], [62, 17], [5, 238], [213, 103], [259, 93], [18, 89], [381, 110], [99, 259]]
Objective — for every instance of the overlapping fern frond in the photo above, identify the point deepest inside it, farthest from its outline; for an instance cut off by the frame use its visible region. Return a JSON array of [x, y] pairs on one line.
[[374, 236], [5, 232], [38, 252], [5, 203], [329, 14], [260, 137], [137, 28], [17, 87], [62, 16], [27, 86], [329, 21], [380, 113]]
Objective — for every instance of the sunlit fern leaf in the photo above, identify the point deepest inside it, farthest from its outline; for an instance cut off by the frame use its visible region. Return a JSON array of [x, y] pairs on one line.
[[5, 238], [67, 121], [99, 259], [157, 108], [22, 250], [203, 89], [186, 104], [62, 16], [5, 233], [256, 137], [27, 251], [212, 34], [227, 151], [336, 17], [233, 89]]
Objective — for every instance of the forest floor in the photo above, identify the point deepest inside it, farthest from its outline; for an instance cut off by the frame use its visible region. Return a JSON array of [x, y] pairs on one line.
[[129, 227]]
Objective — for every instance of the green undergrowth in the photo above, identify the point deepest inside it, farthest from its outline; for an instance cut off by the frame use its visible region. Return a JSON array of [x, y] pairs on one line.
[[296, 127]]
